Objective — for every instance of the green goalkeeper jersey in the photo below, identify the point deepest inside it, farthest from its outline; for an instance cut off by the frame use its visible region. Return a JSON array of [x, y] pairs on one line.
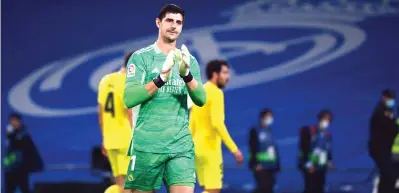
[[162, 120]]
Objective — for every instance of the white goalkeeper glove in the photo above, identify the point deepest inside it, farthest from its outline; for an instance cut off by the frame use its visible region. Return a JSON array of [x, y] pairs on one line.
[[166, 72], [183, 57]]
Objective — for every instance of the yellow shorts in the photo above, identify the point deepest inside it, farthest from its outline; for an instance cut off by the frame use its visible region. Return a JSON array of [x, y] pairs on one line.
[[119, 161], [209, 169]]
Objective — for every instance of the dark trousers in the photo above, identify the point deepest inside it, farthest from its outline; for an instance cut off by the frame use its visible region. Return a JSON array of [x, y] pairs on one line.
[[314, 182], [265, 181], [13, 180], [396, 171], [387, 173]]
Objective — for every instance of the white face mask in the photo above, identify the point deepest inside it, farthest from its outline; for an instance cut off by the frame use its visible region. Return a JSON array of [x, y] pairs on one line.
[[324, 124], [9, 129], [268, 121], [390, 103]]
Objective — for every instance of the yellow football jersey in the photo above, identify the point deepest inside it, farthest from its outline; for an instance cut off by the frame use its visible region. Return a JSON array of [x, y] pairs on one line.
[[117, 131], [207, 123]]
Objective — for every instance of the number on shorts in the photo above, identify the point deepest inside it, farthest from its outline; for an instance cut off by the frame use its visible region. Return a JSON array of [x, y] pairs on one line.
[[133, 158]]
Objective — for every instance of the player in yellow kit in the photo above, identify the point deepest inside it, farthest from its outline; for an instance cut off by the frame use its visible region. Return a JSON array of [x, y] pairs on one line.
[[116, 124], [208, 130]]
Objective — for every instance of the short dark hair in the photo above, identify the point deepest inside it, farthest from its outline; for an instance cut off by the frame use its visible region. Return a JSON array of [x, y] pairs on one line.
[[15, 116], [126, 58], [170, 8], [324, 112], [215, 66], [264, 112], [389, 93]]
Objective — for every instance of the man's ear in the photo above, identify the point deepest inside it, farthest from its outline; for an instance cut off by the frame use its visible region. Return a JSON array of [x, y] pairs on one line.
[[157, 22], [215, 74]]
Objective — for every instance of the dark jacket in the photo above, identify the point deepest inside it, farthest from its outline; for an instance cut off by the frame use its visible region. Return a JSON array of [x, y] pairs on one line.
[[21, 146], [305, 145], [256, 146], [383, 130]]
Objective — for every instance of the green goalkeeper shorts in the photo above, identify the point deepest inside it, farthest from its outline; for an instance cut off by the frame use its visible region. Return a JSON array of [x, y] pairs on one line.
[[147, 170]]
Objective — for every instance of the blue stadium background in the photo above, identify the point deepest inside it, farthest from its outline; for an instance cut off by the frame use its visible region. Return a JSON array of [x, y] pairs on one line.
[[38, 33]]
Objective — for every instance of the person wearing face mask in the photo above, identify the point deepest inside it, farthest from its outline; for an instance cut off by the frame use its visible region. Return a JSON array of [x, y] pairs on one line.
[[315, 153], [22, 157], [264, 158], [383, 131]]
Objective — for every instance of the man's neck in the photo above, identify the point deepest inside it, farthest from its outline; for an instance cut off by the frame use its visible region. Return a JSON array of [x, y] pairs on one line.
[[164, 46], [214, 82]]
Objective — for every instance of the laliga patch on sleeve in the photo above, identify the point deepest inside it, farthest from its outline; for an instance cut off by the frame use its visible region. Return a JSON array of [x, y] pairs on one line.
[[131, 70]]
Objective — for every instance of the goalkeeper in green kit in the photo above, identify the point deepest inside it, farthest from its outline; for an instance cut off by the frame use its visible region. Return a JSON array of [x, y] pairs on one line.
[[159, 79]]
